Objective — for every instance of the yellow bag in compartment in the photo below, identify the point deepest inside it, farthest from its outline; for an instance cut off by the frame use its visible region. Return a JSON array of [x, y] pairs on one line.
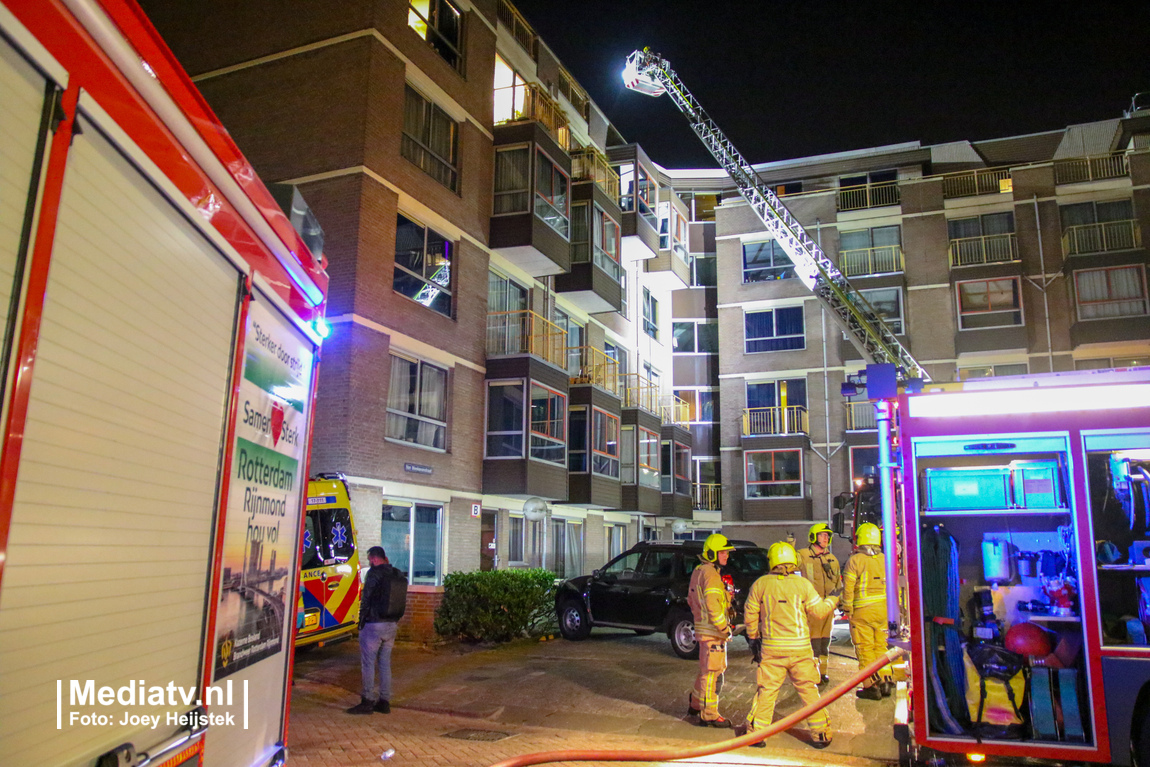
[[998, 708]]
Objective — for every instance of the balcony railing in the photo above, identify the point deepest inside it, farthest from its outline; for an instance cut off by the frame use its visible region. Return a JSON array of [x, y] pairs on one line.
[[540, 107], [869, 196], [673, 409], [1094, 168], [863, 261], [707, 497], [525, 332], [988, 249], [975, 182], [517, 26], [589, 164], [1101, 238], [775, 420], [594, 367], [860, 416], [640, 392]]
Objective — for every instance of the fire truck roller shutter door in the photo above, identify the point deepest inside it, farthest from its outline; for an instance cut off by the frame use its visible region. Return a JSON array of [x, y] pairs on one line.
[[116, 487]]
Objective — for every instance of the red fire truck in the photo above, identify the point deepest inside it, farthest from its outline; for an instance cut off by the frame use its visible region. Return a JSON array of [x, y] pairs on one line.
[[161, 331], [1027, 563]]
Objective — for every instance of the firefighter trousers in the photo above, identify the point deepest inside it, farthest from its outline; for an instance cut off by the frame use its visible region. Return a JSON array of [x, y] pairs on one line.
[[772, 672], [712, 664], [869, 634], [820, 629]]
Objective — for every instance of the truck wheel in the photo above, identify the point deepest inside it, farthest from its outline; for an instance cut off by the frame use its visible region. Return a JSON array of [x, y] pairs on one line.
[[573, 621], [682, 636], [1140, 741]]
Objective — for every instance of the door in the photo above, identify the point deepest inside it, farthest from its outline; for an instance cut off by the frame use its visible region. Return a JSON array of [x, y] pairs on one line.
[[651, 592], [610, 590], [487, 541]]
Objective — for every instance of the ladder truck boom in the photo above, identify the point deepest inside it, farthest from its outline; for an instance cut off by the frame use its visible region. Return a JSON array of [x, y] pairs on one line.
[[650, 74]]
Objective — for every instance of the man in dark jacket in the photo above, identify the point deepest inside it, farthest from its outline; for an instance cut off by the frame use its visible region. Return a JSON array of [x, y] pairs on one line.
[[376, 635]]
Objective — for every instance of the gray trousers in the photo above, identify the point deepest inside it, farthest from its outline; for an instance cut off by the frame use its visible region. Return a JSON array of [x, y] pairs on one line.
[[375, 643]]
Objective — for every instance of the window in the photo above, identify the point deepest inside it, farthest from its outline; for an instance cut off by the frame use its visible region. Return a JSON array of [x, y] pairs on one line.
[[515, 531], [864, 461], [595, 238], [627, 450], [695, 337], [652, 375], [708, 405], [616, 545], [763, 261], [326, 538], [703, 271], [423, 265], [417, 403], [701, 204], [1116, 291], [989, 303], [980, 226], [871, 251], [1111, 362], [623, 294], [774, 330], [605, 443], [676, 468], [512, 180], [510, 93], [439, 23], [887, 304], [411, 535], [774, 474], [1085, 213], [636, 191], [982, 239], [565, 548], [548, 424], [650, 315], [988, 371], [505, 419], [648, 458], [551, 194], [572, 339], [429, 139], [577, 446], [770, 393], [1098, 227], [788, 187], [672, 230], [617, 353]]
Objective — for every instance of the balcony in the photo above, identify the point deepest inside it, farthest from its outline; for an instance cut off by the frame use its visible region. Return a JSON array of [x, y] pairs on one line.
[[988, 249], [707, 497], [595, 368], [1095, 168], [771, 421], [538, 106], [510, 17], [868, 196], [526, 333], [589, 164], [977, 182], [1101, 238], [640, 392], [860, 416], [863, 262], [673, 409]]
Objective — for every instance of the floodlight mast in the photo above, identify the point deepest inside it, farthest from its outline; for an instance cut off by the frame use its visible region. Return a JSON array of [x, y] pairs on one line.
[[650, 74]]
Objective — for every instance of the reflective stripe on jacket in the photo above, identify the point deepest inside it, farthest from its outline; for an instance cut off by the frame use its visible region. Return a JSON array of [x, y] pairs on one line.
[[777, 609], [864, 580], [822, 570], [707, 595]]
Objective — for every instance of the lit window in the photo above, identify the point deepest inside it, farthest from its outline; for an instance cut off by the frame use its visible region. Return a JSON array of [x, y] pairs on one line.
[[417, 403], [650, 314], [648, 458], [887, 304], [695, 337], [1117, 291], [595, 238], [763, 261], [551, 194], [439, 23], [512, 180], [422, 265], [429, 139], [774, 474], [636, 191], [989, 303], [988, 371], [548, 424], [676, 468], [413, 537], [515, 540], [703, 271], [605, 443], [774, 330], [510, 93]]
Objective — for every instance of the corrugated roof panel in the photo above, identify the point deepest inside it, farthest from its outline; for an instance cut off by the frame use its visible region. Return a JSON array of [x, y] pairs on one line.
[[1088, 139], [957, 155], [1019, 150]]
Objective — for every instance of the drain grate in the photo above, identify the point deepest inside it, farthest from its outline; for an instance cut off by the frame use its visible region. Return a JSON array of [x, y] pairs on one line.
[[487, 735]]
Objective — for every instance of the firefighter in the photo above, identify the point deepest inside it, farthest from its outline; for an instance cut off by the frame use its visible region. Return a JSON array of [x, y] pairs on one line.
[[710, 604], [778, 607], [864, 600], [819, 566]]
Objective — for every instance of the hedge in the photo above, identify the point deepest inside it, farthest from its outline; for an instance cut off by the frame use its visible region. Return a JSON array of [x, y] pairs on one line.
[[496, 605]]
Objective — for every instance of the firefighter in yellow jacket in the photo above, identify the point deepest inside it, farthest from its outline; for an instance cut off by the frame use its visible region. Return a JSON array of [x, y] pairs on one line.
[[864, 598], [778, 607], [710, 605], [819, 566]]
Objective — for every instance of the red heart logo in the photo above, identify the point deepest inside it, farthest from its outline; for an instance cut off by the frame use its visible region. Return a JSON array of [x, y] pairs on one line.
[[277, 422]]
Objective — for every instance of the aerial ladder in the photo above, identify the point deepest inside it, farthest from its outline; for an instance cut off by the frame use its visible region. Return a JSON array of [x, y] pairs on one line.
[[649, 73]]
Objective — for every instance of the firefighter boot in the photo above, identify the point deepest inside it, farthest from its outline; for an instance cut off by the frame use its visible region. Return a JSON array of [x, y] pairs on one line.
[[821, 739], [886, 687], [869, 693]]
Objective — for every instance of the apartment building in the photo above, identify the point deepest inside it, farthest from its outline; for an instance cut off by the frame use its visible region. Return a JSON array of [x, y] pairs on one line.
[[987, 258]]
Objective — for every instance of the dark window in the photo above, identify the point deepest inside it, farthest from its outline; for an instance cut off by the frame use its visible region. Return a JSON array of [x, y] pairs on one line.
[[763, 261], [650, 315], [577, 440], [423, 261], [429, 139], [505, 420], [989, 303], [774, 330], [327, 538]]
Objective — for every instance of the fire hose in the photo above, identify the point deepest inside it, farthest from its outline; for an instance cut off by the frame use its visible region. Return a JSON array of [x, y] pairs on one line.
[[668, 755]]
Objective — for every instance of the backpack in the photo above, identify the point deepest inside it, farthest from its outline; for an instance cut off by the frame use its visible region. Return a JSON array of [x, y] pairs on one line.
[[996, 674], [390, 601]]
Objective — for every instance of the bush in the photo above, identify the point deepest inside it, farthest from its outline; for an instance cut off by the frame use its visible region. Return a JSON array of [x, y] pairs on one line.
[[496, 605]]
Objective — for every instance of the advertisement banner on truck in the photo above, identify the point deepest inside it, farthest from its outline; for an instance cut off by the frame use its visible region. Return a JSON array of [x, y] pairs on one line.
[[267, 477]]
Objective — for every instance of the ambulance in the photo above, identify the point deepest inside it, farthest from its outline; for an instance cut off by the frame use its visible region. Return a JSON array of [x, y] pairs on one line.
[[329, 588]]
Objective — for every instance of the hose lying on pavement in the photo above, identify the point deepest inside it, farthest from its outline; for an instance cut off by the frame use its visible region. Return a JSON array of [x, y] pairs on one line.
[[667, 755]]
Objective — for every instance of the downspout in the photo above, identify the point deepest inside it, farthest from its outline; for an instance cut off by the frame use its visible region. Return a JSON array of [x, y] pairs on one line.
[[1045, 285], [826, 390]]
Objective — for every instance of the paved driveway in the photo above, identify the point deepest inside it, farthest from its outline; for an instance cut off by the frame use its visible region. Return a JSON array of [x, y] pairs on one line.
[[614, 682]]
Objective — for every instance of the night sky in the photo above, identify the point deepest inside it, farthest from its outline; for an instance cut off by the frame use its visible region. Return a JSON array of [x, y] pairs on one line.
[[808, 77]]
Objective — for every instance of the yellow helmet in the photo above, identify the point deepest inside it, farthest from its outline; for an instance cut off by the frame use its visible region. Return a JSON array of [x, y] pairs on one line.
[[821, 527], [715, 543], [868, 535], [781, 553]]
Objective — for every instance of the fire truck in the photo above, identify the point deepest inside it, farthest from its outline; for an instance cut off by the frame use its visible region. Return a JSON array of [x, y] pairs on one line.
[[160, 346]]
